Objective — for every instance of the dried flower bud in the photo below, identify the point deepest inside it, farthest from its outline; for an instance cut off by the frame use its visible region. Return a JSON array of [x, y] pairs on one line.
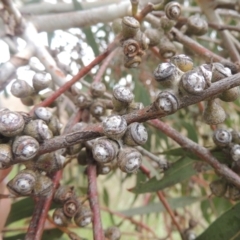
[[222, 137], [173, 10], [59, 218], [235, 152], [21, 89], [166, 48], [130, 27], [132, 62], [5, 156], [71, 207], [97, 109], [183, 62], [218, 187], [41, 81], [196, 25], [219, 72], [112, 233], [83, 216], [97, 89], [83, 100], [63, 193], [43, 113]]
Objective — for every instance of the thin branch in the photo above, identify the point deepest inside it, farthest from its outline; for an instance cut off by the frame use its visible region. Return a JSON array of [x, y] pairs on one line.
[[93, 199]]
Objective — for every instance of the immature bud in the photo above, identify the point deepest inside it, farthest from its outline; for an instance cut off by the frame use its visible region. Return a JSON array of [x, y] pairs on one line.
[[235, 152], [5, 156], [153, 35], [234, 193], [114, 126], [230, 95], [183, 62], [112, 233], [71, 207], [41, 81], [97, 89], [117, 25], [219, 72], [63, 193], [173, 10], [218, 187], [54, 125], [83, 216], [166, 48], [196, 25], [132, 62], [21, 89], [130, 27], [59, 218], [43, 113], [43, 186], [83, 100], [97, 109]]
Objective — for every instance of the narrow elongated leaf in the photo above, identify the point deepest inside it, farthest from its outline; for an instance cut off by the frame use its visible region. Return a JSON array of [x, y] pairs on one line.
[[22, 209], [226, 227], [179, 171], [158, 207]]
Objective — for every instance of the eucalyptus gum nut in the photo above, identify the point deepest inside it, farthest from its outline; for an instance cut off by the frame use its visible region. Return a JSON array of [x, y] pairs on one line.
[[234, 193], [196, 25], [154, 36], [219, 72], [43, 186], [214, 114], [6, 156], [83, 100], [83, 216], [230, 95], [130, 27], [43, 113], [59, 218], [63, 193], [97, 89], [136, 134], [71, 207], [218, 187], [235, 136], [23, 183], [222, 137], [132, 62], [97, 109], [104, 169], [54, 125], [173, 10], [21, 89], [11, 123], [112, 233], [25, 148], [183, 62], [166, 24], [235, 152], [166, 48], [41, 81]]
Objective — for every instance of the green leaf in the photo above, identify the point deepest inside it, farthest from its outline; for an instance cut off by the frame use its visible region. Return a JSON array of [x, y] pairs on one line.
[[158, 207], [22, 209], [105, 197], [226, 227], [178, 172]]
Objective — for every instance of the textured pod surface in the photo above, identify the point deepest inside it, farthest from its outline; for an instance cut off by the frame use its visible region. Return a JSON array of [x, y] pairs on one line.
[[50, 162], [71, 207], [235, 152], [38, 129], [11, 123], [219, 72], [234, 193], [122, 97], [104, 169], [59, 218], [130, 26], [218, 187], [55, 126], [214, 114], [112, 233], [5, 156], [183, 62], [206, 71], [83, 100], [192, 82], [196, 25], [173, 10], [136, 134], [43, 113], [41, 81], [43, 186], [25, 147], [166, 102], [132, 62], [166, 48], [104, 150], [129, 160], [130, 48], [21, 89], [63, 193], [230, 95], [222, 137], [235, 136], [97, 89], [83, 216], [97, 109], [114, 126], [153, 35], [23, 183]]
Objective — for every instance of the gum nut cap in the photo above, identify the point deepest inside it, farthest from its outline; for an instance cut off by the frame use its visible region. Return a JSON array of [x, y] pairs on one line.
[[222, 137], [123, 94]]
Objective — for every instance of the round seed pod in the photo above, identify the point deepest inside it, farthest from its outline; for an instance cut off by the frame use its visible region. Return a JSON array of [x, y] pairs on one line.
[[25, 148], [130, 48], [112, 233], [6, 157], [166, 102], [230, 95], [130, 27], [192, 82], [219, 72], [43, 186], [214, 114], [166, 48], [43, 113], [50, 162], [41, 81], [26, 117], [114, 126], [104, 169], [235, 152], [54, 125], [206, 71], [167, 75], [83, 100], [196, 25], [83, 216], [136, 134], [23, 183], [59, 218], [129, 160], [122, 97], [143, 40], [183, 62], [11, 123], [173, 10], [21, 89], [97, 109], [234, 193], [153, 35], [222, 137], [63, 193], [104, 150], [166, 24], [27, 101], [132, 62], [235, 136], [218, 187], [97, 89], [71, 207], [38, 129]]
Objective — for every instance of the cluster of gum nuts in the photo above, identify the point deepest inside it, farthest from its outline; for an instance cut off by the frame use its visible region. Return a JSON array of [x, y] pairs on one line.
[[178, 78], [229, 143]]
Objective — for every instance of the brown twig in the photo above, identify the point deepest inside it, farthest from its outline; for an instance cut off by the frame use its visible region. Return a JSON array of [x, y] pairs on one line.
[[93, 199]]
